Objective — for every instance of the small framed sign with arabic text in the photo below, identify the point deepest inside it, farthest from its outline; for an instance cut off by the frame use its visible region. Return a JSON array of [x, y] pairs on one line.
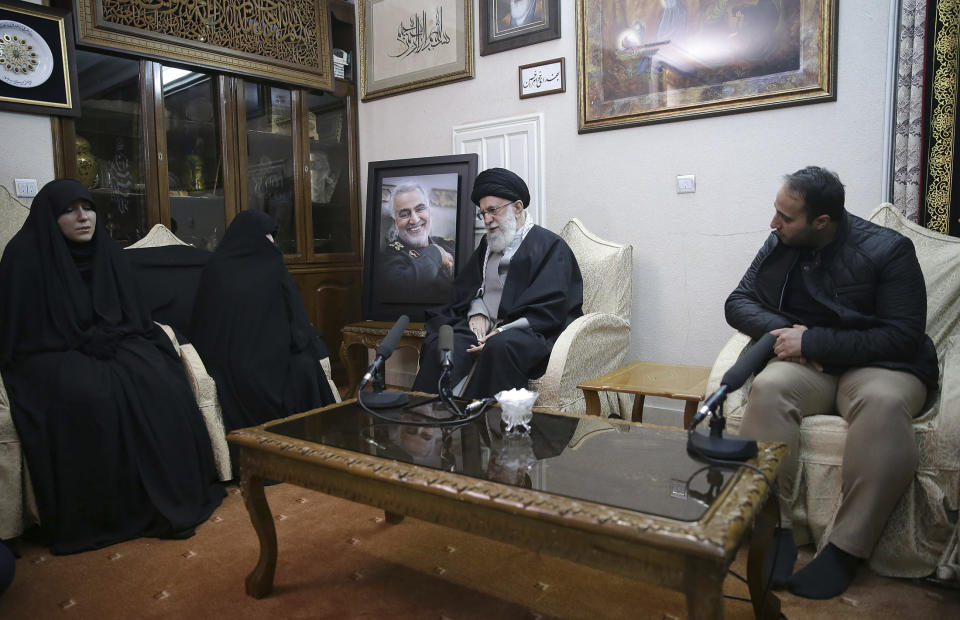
[[543, 78]]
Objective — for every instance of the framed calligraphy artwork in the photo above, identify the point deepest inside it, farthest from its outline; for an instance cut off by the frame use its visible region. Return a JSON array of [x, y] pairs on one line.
[[543, 78], [419, 233], [650, 61], [509, 24], [407, 45], [287, 41], [38, 72]]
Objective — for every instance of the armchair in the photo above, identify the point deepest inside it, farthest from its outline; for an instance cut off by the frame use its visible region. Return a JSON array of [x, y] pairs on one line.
[[595, 343], [914, 541]]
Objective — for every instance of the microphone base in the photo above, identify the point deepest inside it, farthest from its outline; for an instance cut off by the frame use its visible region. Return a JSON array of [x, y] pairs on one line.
[[729, 448], [383, 400]]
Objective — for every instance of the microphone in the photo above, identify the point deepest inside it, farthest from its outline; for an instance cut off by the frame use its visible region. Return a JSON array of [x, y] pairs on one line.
[[446, 347], [379, 398], [386, 348], [714, 444], [749, 363]]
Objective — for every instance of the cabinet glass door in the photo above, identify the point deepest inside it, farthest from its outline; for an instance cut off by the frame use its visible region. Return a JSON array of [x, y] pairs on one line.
[[109, 142], [194, 158], [270, 159], [329, 172]]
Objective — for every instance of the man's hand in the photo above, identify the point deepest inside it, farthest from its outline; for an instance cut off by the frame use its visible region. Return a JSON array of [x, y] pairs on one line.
[[476, 348], [788, 342], [788, 346], [446, 261], [479, 325]]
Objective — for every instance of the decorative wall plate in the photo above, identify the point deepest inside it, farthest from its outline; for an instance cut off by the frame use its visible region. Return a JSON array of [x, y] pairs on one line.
[[25, 58]]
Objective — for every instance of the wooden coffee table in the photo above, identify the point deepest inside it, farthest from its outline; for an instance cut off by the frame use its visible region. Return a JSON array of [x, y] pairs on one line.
[[623, 498], [687, 383]]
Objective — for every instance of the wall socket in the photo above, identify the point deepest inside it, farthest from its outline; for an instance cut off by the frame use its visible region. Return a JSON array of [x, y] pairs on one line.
[[26, 188], [686, 183]]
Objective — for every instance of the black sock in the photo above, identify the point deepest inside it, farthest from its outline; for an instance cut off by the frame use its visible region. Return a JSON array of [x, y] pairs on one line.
[[827, 575], [785, 549]]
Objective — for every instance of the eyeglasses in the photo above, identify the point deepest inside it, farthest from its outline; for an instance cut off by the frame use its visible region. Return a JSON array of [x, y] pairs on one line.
[[492, 211]]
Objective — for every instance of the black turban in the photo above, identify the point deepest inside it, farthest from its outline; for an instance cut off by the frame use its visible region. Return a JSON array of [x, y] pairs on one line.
[[501, 183]]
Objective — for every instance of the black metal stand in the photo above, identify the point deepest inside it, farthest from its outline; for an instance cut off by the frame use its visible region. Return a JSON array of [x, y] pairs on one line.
[[379, 398], [714, 445]]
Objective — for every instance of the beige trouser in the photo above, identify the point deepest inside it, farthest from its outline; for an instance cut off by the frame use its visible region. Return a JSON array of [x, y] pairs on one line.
[[879, 454]]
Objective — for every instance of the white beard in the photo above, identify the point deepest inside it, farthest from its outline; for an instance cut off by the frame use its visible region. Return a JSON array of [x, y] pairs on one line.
[[499, 239]]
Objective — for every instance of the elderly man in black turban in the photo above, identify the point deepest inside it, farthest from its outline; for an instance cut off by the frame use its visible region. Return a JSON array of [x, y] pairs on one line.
[[519, 290]]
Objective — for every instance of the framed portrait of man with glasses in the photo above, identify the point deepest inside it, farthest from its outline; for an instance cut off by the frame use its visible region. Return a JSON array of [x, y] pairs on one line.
[[419, 232]]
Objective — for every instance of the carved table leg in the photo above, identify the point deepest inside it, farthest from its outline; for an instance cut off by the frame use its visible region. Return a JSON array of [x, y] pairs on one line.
[[260, 580], [704, 593], [637, 414], [592, 400], [766, 604], [689, 410], [352, 363], [392, 518]]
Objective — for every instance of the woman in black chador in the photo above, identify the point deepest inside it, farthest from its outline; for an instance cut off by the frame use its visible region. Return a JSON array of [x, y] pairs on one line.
[[251, 330], [113, 438]]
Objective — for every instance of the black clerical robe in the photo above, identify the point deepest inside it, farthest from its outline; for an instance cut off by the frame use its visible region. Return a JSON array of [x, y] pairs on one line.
[[543, 285]]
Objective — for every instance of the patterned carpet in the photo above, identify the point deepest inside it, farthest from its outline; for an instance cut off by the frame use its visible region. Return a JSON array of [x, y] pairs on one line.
[[339, 559]]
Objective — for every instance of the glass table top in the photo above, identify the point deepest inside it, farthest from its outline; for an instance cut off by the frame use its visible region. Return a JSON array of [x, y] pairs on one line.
[[641, 468]]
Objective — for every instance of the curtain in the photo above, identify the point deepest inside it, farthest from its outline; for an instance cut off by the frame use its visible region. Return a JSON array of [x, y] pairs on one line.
[[926, 149], [908, 138]]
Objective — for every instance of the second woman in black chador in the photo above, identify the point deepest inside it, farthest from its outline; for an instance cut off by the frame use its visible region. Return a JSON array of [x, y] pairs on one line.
[[112, 435], [251, 330]]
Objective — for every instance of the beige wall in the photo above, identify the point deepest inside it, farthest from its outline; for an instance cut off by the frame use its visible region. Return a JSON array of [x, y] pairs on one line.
[[689, 250]]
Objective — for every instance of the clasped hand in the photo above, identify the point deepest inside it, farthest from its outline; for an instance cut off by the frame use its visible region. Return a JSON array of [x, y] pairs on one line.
[[481, 328], [788, 346]]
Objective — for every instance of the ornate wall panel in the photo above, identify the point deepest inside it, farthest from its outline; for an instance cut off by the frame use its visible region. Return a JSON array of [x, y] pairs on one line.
[[940, 209], [282, 40]]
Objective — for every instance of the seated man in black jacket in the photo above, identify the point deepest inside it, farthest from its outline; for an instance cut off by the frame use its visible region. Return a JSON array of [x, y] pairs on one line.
[[847, 302]]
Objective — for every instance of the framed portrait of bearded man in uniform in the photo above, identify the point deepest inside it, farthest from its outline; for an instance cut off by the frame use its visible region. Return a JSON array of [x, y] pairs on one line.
[[419, 231]]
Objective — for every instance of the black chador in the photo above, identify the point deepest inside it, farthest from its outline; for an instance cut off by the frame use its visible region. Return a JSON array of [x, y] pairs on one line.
[[543, 285], [113, 438], [251, 330]]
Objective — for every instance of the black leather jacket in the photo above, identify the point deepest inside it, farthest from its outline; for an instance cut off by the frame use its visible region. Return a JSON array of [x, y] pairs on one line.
[[870, 277]]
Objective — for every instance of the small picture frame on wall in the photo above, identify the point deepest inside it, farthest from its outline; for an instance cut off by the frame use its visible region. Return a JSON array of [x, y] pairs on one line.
[[509, 24], [38, 72], [542, 78]]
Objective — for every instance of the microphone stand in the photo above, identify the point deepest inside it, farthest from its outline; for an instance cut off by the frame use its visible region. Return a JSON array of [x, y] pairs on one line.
[[379, 398], [715, 445]]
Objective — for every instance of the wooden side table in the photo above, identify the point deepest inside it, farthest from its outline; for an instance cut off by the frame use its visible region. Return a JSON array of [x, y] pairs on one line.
[[642, 379], [365, 335]]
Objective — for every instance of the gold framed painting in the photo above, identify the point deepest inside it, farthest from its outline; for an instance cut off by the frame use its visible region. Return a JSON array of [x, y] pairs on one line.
[[407, 45], [651, 61]]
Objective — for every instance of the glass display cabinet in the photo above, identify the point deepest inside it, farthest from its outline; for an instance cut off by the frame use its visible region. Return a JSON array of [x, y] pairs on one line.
[[190, 148]]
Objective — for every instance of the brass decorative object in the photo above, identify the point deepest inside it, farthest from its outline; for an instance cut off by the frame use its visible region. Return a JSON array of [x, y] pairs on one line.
[[194, 174], [88, 171], [283, 40]]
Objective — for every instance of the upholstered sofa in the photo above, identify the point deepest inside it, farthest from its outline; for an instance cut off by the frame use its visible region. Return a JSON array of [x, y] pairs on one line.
[[915, 541], [595, 343]]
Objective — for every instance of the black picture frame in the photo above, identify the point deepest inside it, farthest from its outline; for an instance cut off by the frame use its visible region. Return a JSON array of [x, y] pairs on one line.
[[388, 291], [498, 35], [44, 81]]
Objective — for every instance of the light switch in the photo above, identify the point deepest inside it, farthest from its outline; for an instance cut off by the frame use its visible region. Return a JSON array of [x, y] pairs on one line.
[[26, 188], [686, 183]]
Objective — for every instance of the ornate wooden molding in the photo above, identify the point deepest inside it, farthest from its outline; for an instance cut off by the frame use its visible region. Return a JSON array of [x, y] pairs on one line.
[[286, 41]]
